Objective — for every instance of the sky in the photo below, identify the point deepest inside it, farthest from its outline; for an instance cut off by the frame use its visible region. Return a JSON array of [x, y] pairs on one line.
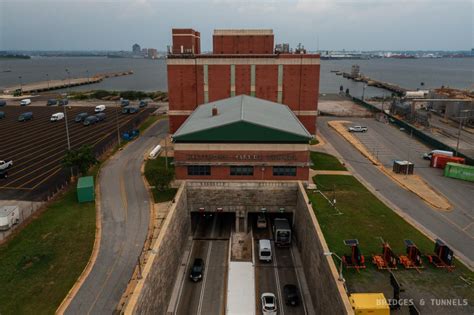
[[317, 24]]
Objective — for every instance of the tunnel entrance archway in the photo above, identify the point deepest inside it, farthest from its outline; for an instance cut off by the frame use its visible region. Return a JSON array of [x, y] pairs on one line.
[[212, 225]]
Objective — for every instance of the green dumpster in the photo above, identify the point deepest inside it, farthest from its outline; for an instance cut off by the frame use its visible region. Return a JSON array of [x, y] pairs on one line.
[[85, 189], [460, 171]]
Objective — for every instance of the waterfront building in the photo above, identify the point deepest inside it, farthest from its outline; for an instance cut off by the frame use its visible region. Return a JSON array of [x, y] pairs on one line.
[[136, 49], [242, 138], [243, 61]]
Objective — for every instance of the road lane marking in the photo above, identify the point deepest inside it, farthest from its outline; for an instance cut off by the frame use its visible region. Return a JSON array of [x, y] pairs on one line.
[[180, 292], [208, 256], [277, 280]]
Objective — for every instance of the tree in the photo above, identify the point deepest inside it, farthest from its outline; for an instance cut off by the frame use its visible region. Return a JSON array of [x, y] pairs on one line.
[[81, 159], [160, 178]]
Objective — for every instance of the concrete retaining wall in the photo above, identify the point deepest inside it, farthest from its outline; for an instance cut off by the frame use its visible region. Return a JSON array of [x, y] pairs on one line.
[[241, 196], [328, 294], [153, 292]]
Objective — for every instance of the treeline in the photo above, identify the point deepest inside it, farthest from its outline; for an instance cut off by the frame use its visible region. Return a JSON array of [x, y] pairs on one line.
[[157, 96]]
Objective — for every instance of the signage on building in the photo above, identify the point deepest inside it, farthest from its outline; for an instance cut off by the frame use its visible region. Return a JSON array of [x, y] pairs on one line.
[[241, 157]]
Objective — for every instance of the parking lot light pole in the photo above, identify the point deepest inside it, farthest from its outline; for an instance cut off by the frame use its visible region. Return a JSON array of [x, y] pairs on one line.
[[117, 119], [65, 115], [47, 79], [21, 84], [460, 127], [341, 278]]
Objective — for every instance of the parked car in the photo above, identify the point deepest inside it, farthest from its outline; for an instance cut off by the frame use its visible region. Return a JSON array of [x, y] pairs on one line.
[[63, 102], [25, 102], [291, 293], [57, 116], [90, 120], [269, 304], [124, 102], [261, 221], [25, 116], [3, 174], [197, 270], [52, 102], [129, 110], [3, 103], [80, 117], [358, 129], [100, 116], [143, 104], [5, 164], [2, 115], [99, 108]]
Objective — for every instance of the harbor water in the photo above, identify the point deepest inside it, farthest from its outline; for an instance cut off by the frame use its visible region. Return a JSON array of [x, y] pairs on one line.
[[150, 75]]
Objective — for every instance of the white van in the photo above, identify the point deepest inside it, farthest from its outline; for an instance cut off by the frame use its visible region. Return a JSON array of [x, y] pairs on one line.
[[25, 102], [155, 152], [57, 116], [99, 108], [265, 250], [427, 156], [9, 215]]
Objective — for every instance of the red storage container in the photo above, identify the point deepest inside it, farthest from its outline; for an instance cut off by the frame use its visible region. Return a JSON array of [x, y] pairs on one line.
[[440, 161]]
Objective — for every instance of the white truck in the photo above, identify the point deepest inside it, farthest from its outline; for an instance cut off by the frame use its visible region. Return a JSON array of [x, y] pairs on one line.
[[9, 216], [5, 165], [357, 129]]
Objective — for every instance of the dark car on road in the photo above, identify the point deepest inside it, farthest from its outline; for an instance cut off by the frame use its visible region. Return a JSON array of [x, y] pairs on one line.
[[143, 104], [25, 116], [197, 270], [63, 102], [3, 103], [291, 294], [90, 120], [100, 116], [52, 102], [124, 102], [80, 117], [2, 115]]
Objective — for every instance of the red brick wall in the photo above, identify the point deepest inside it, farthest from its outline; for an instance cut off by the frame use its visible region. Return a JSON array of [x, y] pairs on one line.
[[243, 44], [175, 121], [266, 82], [223, 173], [309, 87], [309, 123], [186, 38], [242, 79], [182, 87], [291, 86], [231, 156], [219, 82]]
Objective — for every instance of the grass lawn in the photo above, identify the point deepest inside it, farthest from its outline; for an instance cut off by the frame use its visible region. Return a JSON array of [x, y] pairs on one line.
[[41, 264], [160, 163], [327, 162], [367, 219], [147, 123]]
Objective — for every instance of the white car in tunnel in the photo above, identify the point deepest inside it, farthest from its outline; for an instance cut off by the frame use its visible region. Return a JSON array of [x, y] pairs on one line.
[[269, 304]]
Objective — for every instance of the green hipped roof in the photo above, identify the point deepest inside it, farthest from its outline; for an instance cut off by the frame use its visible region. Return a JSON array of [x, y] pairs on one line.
[[242, 119]]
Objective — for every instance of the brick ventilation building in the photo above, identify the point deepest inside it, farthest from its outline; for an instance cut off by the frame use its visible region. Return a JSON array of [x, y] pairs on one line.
[[242, 62], [242, 138]]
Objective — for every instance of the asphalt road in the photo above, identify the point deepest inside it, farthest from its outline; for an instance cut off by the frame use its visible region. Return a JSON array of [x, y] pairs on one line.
[[211, 243], [456, 227], [125, 218]]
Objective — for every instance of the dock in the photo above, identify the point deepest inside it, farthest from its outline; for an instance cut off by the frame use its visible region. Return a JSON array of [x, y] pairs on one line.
[[376, 83], [42, 86]]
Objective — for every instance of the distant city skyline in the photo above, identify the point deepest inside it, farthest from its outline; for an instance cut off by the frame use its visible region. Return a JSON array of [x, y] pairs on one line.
[[361, 25]]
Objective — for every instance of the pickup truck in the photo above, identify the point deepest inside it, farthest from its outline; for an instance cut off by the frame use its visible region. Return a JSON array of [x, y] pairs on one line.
[[5, 164], [357, 129]]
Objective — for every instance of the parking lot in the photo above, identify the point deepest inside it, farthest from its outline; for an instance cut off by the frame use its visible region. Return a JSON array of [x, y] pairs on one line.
[[37, 147]]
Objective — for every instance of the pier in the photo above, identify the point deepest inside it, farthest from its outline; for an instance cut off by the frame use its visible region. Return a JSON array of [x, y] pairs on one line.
[[42, 86], [376, 83]]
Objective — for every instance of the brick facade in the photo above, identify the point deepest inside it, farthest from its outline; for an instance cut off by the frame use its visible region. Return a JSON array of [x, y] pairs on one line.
[[291, 79]]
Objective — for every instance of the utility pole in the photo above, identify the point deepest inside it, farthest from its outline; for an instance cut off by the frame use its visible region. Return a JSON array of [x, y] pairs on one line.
[[47, 79], [21, 85], [460, 128], [166, 152], [363, 91], [65, 115], [117, 121]]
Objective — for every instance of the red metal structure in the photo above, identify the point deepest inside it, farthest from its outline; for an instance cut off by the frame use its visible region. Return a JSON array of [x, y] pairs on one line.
[[443, 256], [355, 260], [412, 259], [387, 260]]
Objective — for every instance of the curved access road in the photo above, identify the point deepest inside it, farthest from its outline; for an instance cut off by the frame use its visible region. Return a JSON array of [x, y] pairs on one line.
[[125, 214]]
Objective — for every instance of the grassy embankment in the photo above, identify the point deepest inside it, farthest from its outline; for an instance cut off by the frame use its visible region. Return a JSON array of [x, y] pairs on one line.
[[160, 163], [367, 219], [324, 161], [41, 264]]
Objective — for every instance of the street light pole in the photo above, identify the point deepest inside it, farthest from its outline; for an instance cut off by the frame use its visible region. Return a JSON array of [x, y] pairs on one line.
[[21, 85], [363, 91], [117, 120], [65, 116], [460, 127], [47, 79]]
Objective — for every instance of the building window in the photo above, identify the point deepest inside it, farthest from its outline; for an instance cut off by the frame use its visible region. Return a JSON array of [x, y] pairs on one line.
[[284, 171], [241, 170], [199, 170]]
